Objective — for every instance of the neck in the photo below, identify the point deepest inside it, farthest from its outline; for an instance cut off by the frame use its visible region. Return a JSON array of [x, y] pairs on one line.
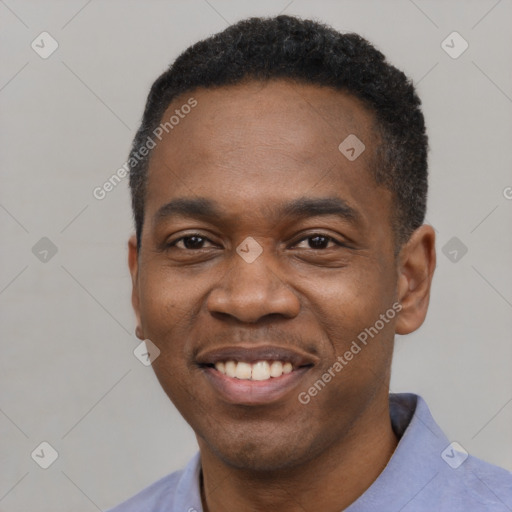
[[330, 482]]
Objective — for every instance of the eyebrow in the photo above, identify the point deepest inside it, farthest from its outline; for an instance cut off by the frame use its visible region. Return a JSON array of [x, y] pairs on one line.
[[313, 207], [303, 207], [199, 207]]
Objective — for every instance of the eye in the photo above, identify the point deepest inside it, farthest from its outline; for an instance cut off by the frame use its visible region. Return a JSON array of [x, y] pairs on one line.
[[317, 241], [189, 242]]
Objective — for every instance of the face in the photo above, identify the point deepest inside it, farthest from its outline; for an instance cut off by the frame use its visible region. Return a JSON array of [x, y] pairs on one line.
[[265, 249]]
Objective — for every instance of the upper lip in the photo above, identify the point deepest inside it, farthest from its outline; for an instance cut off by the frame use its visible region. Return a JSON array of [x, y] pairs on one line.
[[253, 354]]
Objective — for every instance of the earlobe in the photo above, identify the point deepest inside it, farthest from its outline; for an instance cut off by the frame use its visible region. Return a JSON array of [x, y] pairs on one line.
[[417, 261], [133, 265]]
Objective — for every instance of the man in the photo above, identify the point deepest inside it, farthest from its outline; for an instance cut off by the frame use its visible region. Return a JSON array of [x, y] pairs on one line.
[[279, 182]]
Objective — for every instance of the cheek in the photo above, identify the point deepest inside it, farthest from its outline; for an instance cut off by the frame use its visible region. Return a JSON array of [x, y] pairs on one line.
[[349, 306], [167, 319], [357, 363], [167, 302], [167, 312]]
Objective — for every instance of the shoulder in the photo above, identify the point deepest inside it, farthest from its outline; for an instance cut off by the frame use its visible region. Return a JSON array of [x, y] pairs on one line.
[[428, 472], [178, 491], [460, 481], [152, 497], [483, 485]]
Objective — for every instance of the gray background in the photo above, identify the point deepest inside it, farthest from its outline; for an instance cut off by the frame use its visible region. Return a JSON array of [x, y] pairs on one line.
[[68, 375]]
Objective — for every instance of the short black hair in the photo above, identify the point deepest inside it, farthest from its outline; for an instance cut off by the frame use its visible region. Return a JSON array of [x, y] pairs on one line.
[[305, 51]]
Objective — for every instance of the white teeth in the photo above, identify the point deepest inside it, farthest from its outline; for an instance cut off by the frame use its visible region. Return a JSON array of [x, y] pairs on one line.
[[230, 368], [243, 371], [261, 370], [276, 369]]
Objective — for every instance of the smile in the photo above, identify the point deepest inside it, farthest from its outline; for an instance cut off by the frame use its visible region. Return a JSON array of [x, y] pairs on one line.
[[254, 375]]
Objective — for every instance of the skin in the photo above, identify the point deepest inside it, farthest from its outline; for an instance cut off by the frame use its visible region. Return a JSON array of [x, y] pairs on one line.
[[252, 148]]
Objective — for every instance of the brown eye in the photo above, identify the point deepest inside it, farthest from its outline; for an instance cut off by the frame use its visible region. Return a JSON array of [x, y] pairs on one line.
[[193, 242], [317, 241], [189, 242]]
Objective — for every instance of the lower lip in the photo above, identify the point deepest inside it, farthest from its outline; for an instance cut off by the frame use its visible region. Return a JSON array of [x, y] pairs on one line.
[[253, 392]]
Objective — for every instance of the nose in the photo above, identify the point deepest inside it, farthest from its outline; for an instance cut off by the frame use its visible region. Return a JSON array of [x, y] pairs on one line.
[[252, 291]]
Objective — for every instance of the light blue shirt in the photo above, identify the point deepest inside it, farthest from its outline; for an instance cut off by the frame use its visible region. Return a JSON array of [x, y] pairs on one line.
[[426, 473]]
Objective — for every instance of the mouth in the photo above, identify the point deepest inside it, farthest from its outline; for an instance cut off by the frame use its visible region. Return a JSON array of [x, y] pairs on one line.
[[256, 375]]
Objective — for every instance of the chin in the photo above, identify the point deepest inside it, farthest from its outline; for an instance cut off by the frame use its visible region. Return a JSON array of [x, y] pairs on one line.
[[266, 453], [254, 457]]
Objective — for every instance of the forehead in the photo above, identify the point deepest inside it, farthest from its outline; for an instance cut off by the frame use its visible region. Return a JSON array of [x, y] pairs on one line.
[[299, 119], [260, 142]]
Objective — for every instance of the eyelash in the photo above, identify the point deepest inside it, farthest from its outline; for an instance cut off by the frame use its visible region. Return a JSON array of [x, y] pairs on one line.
[[312, 235]]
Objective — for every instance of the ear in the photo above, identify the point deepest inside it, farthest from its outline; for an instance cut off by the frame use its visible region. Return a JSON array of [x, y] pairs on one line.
[[133, 264], [417, 262]]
